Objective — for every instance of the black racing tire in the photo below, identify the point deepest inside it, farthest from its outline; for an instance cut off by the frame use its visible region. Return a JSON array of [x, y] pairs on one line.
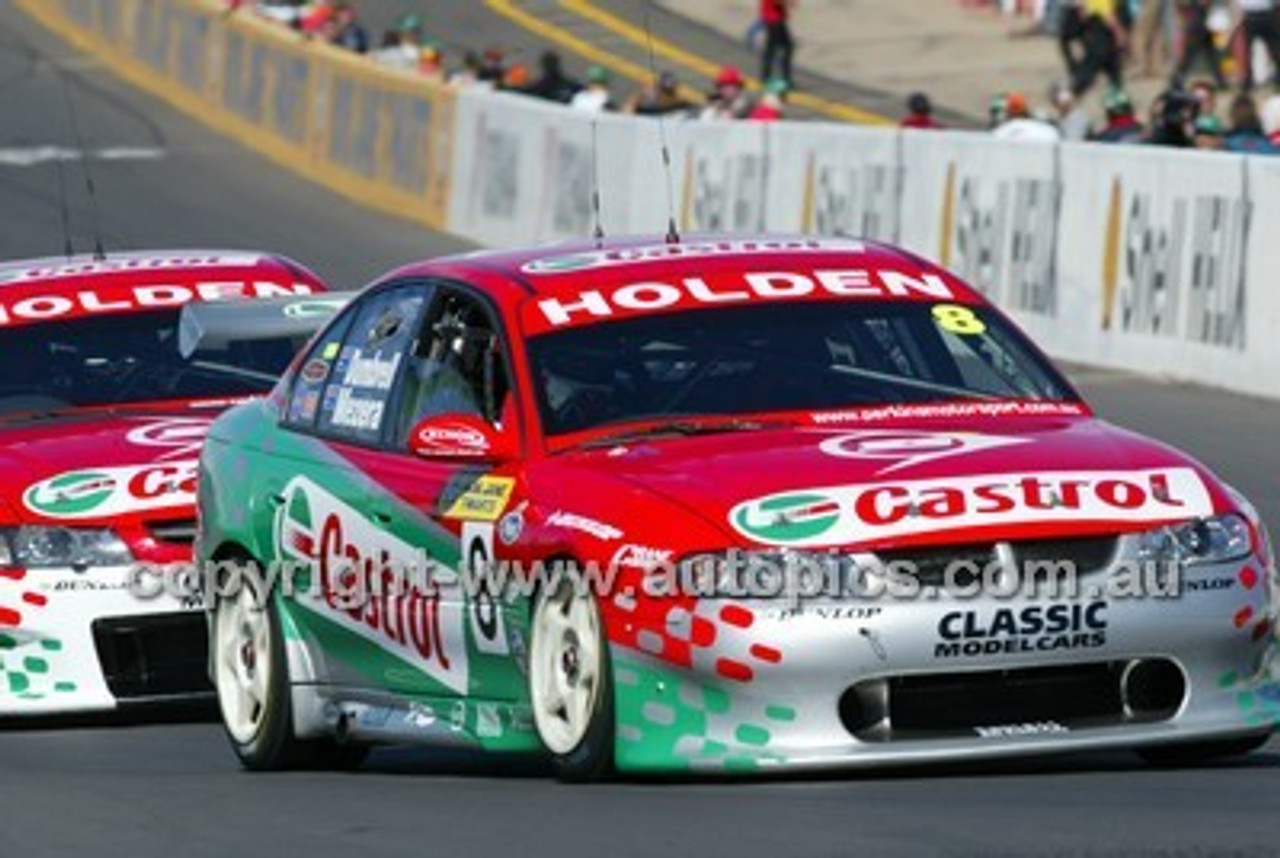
[[581, 747], [1190, 754]]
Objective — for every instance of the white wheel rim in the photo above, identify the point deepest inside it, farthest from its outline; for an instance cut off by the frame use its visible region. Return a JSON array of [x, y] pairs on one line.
[[243, 658], [564, 667]]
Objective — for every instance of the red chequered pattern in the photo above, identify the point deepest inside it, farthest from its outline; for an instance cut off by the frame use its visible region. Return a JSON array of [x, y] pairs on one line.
[[647, 619], [1243, 616], [37, 599], [10, 617], [13, 574], [1248, 577], [713, 638], [735, 670], [736, 615], [703, 632], [766, 653], [1261, 630]]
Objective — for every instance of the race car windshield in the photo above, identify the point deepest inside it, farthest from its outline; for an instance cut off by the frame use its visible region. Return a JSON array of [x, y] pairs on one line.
[[788, 357], [122, 359]]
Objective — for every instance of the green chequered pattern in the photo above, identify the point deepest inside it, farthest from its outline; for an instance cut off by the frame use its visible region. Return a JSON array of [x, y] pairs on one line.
[[1258, 694], [25, 670], [667, 720]]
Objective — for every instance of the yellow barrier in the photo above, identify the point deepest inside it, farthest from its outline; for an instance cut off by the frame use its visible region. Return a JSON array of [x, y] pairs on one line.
[[380, 137]]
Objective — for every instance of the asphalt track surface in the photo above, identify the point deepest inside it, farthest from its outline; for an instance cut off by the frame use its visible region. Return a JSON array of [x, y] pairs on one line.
[[148, 789]]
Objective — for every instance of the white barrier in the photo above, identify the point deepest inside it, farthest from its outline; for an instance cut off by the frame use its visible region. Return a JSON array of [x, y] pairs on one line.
[[523, 172], [1121, 256], [1131, 257]]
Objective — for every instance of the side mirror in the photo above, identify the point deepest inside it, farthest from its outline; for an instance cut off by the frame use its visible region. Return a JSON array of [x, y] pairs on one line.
[[461, 436]]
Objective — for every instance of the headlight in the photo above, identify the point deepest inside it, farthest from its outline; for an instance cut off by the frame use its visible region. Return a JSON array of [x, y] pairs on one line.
[[31, 547], [1220, 539]]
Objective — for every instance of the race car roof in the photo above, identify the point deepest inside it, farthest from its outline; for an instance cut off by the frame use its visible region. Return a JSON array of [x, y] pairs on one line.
[[40, 290]]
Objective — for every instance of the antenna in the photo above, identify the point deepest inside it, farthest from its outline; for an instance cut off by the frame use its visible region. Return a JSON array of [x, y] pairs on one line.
[[99, 253], [598, 231], [673, 235], [64, 211]]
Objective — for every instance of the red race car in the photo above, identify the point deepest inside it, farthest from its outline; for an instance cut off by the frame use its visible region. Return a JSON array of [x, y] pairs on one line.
[[106, 393], [719, 504]]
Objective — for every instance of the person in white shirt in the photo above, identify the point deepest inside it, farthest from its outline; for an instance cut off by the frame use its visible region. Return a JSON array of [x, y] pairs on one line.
[[595, 96], [1011, 120]]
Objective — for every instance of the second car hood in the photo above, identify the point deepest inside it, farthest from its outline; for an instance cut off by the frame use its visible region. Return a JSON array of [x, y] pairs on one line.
[[920, 483], [94, 466]]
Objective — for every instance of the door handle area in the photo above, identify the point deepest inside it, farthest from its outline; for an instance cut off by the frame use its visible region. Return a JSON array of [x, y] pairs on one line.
[[276, 499], [382, 516]]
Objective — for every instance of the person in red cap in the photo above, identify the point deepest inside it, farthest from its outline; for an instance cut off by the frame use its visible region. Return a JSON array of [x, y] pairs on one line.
[[919, 113], [778, 44], [729, 99]]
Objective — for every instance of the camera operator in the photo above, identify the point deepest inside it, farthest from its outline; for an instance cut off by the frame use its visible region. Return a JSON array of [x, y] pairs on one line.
[[1173, 119]]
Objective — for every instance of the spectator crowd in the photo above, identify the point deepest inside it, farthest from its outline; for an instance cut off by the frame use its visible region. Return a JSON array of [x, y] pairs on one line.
[[404, 46], [1198, 46], [1202, 49]]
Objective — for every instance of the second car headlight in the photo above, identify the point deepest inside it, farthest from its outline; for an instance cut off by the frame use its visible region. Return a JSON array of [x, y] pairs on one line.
[[40, 547], [1219, 539]]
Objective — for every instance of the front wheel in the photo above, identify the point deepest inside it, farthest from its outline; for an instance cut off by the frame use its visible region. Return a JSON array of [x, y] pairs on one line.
[[251, 676], [570, 681]]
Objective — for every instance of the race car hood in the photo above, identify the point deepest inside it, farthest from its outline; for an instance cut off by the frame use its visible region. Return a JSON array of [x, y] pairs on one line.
[[93, 466], [922, 484]]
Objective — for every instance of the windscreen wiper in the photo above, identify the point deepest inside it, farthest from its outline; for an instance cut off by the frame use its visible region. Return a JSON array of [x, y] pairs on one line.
[[683, 427]]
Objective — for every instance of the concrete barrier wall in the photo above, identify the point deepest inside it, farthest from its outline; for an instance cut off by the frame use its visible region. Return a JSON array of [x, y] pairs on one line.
[[1129, 257], [378, 136]]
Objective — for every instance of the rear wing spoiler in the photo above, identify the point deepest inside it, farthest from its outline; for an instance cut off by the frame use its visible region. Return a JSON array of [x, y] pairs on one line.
[[214, 324]]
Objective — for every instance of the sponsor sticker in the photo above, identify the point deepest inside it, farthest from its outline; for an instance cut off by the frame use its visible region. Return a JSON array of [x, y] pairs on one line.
[[567, 263], [483, 501], [26, 309], [158, 262], [1009, 731], [598, 529], [906, 448], [738, 288], [403, 612], [313, 309], [847, 514], [179, 437], [315, 371], [100, 492], [456, 439], [642, 557], [511, 526], [1010, 631], [949, 411]]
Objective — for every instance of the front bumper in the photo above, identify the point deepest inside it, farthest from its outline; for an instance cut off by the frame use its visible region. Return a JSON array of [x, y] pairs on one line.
[[82, 642], [896, 682]]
